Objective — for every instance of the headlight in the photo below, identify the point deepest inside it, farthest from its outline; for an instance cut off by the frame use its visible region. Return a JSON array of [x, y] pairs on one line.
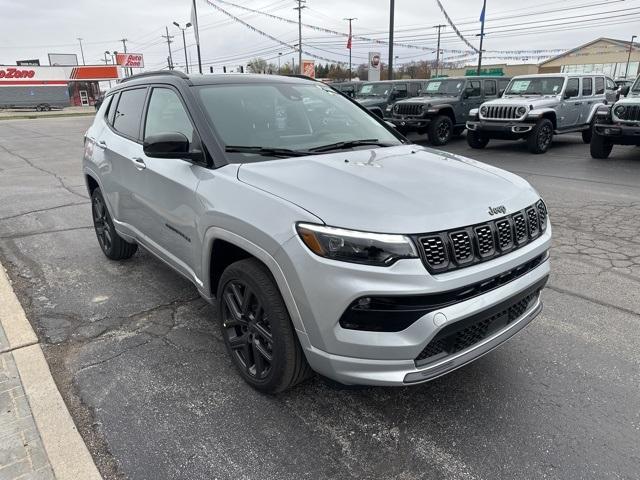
[[483, 110], [396, 107], [521, 111], [619, 110], [356, 247]]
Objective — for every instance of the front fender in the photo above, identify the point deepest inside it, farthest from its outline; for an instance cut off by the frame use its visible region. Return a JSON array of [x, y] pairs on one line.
[[537, 113], [594, 109]]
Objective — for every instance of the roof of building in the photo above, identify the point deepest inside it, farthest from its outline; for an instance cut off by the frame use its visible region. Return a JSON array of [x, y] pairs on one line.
[[621, 43]]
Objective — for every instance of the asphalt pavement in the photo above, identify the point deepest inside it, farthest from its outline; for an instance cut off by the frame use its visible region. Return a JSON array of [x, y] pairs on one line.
[[139, 361]]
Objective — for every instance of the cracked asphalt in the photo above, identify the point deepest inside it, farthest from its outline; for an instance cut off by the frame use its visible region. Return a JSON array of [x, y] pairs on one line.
[[143, 370]]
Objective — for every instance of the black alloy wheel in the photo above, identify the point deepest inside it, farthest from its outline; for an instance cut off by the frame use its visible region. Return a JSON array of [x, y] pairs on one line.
[[540, 138], [113, 245], [247, 329], [440, 130]]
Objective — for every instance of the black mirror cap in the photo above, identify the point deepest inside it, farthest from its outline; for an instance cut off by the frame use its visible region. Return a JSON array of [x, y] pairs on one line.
[[170, 145], [625, 90]]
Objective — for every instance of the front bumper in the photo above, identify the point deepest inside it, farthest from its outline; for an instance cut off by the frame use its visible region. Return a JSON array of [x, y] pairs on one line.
[[411, 123], [500, 130], [324, 289], [619, 133]]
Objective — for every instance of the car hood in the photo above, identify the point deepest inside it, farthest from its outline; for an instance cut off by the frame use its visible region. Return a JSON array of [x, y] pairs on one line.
[[429, 100], [629, 101], [528, 101], [403, 189], [371, 101]]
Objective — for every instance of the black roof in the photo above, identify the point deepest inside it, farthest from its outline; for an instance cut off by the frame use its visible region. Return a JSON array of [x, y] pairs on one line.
[[173, 76]]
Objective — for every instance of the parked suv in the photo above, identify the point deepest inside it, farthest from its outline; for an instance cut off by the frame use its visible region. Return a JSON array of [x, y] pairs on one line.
[[535, 107], [379, 97], [618, 124], [442, 108], [325, 239]]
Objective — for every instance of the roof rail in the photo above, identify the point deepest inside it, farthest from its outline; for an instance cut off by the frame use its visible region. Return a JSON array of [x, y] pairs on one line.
[[155, 73]]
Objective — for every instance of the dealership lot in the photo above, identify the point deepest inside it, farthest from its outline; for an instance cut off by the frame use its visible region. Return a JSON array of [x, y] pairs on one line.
[[139, 360]]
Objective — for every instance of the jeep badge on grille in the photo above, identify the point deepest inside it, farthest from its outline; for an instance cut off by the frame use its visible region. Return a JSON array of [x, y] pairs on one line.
[[495, 210]]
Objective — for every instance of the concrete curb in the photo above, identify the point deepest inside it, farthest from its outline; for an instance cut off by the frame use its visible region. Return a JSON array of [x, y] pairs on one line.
[[14, 322], [68, 455], [61, 115]]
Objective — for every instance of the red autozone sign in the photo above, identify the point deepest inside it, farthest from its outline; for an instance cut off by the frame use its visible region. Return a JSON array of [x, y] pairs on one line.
[[16, 73], [133, 60]]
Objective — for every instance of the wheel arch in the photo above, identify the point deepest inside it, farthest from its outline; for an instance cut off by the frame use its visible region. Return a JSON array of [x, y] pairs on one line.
[[448, 111], [222, 248]]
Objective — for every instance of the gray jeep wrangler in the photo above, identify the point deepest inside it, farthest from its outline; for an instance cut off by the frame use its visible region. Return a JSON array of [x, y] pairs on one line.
[[617, 124], [535, 107], [442, 108]]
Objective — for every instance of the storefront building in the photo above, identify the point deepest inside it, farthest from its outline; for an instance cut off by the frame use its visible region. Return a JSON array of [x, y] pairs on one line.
[[53, 87]]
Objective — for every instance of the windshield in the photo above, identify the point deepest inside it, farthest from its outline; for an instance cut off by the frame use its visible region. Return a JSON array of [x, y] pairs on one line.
[[375, 90], [535, 86], [293, 117], [636, 86], [443, 87]]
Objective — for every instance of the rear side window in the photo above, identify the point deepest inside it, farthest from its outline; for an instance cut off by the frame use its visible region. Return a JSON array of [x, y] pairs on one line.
[[490, 88], [474, 89], [106, 106], [129, 112], [587, 87], [112, 108], [599, 85]]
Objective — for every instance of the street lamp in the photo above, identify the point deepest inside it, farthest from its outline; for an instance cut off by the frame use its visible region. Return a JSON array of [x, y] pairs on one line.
[[626, 72], [184, 43]]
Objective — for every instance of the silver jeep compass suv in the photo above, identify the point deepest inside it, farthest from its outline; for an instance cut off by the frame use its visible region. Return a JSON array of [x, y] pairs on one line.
[[327, 241]]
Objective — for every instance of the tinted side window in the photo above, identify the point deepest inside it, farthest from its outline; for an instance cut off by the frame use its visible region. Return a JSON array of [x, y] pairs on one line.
[[106, 107], [401, 89], [414, 88], [611, 85], [489, 88], [599, 85], [166, 114], [129, 112], [573, 88], [474, 88], [587, 87]]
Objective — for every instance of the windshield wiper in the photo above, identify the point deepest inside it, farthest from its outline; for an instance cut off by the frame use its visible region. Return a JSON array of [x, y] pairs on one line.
[[350, 144], [266, 151]]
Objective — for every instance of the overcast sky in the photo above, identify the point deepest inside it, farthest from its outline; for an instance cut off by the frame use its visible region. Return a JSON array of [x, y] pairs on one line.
[[33, 28]]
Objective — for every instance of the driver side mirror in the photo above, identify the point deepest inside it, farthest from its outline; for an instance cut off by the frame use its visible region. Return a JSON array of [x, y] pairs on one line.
[[467, 92], [170, 145], [625, 90]]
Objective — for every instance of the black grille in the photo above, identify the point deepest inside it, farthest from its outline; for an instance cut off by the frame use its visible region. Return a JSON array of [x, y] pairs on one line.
[[450, 250], [501, 112], [462, 248], [505, 234], [631, 113], [542, 214], [408, 108], [434, 250], [466, 333], [486, 241]]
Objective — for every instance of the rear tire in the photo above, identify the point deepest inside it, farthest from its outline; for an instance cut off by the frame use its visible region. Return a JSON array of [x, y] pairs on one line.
[[113, 245], [600, 147], [476, 139], [540, 138], [440, 130], [257, 329]]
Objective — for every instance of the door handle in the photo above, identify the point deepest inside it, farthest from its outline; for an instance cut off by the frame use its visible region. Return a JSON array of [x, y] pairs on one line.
[[139, 163], [101, 144], [577, 103]]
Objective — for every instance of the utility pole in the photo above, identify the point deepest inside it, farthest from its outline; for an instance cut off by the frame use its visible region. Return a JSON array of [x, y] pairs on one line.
[[626, 73], [196, 32], [81, 50], [299, 8], [169, 42], [482, 15], [351, 19], [127, 72], [279, 57], [439, 27], [391, 14]]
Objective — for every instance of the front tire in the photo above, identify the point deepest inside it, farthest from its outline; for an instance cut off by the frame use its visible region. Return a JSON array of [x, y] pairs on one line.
[[476, 139], [113, 245], [600, 147], [440, 130], [257, 329], [540, 138]]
